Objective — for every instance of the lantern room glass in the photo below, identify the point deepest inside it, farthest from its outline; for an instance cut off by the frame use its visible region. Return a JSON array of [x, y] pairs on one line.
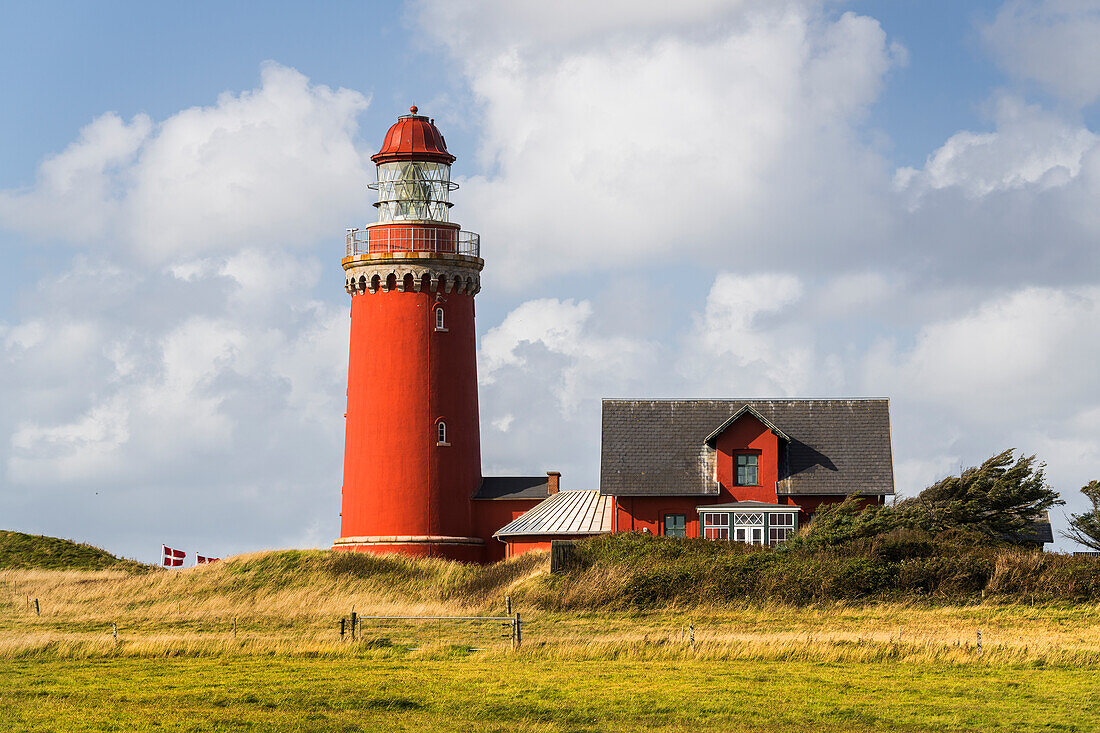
[[413, 191]]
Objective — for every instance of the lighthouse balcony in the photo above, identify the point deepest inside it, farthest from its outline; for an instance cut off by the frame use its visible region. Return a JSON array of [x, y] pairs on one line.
[[413, 238]]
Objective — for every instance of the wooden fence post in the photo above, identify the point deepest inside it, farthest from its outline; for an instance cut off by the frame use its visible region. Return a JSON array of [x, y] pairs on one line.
[[519, 632], [354, 618], [37, 612], [342, 620], [234, 627], [508, 605]]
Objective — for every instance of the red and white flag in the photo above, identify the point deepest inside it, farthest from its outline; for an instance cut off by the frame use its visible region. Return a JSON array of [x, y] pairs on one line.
[[173, 558], [204, 560]]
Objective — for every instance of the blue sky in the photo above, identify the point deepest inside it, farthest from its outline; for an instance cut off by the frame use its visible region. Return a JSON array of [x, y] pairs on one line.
[[896, 199]]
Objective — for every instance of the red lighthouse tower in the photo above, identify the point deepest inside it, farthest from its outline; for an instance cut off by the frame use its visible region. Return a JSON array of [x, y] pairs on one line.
[[412, 452]]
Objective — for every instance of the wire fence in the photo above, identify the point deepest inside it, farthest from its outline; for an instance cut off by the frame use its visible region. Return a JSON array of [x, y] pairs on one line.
[[476, 633]]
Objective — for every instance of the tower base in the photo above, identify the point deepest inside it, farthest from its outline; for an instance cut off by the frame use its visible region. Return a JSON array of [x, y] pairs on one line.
[[463, 549]]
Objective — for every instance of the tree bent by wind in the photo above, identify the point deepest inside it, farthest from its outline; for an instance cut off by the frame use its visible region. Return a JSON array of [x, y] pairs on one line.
[[1084, 528], [1000, 499]]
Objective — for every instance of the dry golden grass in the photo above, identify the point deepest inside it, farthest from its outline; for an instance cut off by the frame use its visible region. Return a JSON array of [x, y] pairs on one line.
[[290, 604]]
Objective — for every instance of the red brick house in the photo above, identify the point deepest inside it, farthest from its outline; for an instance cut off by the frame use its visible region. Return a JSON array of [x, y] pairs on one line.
[[743, 470]]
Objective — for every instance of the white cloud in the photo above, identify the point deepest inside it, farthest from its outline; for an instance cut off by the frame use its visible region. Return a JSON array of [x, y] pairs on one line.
[[729, 349], [1019, 357], [1029, 147], [684, 132], [1052, 43], [592, 360], [278, 165]]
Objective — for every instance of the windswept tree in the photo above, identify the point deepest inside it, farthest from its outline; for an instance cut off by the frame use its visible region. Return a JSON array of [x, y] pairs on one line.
[[837, 524], [1084, 528], [1000, 498]]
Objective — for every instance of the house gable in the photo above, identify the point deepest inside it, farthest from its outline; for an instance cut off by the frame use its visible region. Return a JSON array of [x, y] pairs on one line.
[[658, 447], [749, 436]]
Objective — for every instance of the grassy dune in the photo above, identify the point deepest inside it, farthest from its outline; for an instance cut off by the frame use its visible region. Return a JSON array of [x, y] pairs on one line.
[[29, 551], [253, 642]]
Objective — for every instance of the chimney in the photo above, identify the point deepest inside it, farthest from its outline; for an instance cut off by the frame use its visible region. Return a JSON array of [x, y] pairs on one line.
[[553, 478]]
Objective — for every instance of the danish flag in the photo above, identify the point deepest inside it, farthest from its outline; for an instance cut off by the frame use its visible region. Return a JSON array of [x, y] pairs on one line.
[[173, 558], [203, 559]]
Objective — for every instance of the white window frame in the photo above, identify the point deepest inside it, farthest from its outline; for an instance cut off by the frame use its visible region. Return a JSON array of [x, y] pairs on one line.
[[718, 522], [439, 318], [441, 433], [751, 526], [781, 525]]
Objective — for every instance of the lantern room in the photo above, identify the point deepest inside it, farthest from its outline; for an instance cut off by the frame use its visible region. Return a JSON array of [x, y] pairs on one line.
[[414, 172]]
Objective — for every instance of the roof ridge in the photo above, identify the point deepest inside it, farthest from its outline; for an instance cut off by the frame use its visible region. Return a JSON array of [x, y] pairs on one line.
[[745, 399]]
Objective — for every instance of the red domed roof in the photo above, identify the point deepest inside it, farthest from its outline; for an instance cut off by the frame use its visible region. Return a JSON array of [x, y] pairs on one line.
[[413, 137]]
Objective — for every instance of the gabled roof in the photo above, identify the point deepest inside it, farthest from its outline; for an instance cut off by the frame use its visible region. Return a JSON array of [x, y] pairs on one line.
[[501, 488], [571, 513], [1038, 532], [713, 437], [659, 447]]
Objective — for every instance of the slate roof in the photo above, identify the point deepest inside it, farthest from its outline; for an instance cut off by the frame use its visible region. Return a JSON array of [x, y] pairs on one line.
[[513, 487], [657, 447], [1039, 531], [575, 512]]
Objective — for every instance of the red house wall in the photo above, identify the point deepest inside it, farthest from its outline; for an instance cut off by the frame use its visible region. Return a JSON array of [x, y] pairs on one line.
[[519, 545], [491, 515], [748, 435]]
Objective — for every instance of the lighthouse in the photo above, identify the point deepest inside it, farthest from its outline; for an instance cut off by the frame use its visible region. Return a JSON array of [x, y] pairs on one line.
[[412, 451]]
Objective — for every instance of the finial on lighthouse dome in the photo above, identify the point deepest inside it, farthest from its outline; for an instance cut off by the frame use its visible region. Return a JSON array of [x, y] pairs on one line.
[[413, 137]]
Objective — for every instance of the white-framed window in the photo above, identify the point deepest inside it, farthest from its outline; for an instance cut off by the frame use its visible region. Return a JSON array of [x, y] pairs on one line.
[[441, 433], [716, 525], [439, 319], [749, 535], [780, 527], [748, 518]]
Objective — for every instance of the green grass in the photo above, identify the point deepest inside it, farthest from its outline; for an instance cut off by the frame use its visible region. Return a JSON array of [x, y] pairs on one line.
[[19, 551], [451, 693], [252, 643]]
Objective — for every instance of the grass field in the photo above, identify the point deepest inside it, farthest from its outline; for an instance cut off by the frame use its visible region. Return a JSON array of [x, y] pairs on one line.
[[178, 664], [466, 693]]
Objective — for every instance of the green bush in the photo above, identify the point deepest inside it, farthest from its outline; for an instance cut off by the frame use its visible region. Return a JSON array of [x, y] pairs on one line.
[[631, 570]]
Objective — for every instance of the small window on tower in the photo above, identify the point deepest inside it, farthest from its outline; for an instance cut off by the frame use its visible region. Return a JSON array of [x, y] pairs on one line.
[[441, 433], [439, 320]]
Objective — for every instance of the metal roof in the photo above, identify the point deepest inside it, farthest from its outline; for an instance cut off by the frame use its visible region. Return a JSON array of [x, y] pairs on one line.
[[413, 137], [575, 512], [658, 447], [513, 487]]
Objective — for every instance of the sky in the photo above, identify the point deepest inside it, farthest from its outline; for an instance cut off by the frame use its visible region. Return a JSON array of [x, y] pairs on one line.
[[708, 198]]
